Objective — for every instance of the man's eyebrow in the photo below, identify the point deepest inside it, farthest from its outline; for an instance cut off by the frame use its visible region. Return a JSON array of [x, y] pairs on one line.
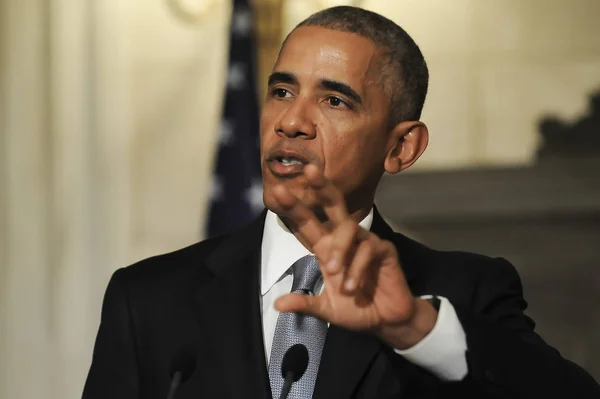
[[342, 88], [282, 77], [333, 85]]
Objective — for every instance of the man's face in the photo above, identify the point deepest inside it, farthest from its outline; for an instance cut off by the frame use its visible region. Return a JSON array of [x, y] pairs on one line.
[[325, 105]]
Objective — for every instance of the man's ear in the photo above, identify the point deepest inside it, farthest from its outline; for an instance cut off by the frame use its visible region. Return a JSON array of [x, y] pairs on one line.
[[407, 141]]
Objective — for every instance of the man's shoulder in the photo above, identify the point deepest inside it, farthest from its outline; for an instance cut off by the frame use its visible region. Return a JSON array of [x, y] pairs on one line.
[[455, 263], [179, 264]]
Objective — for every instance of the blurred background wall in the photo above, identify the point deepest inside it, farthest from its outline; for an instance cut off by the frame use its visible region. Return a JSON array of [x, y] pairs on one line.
[[108, 125]]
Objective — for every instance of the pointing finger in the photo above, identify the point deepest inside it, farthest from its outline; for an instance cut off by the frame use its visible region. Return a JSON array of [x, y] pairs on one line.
[[343, 241], [304, 224], [330, 197], [363, 258]]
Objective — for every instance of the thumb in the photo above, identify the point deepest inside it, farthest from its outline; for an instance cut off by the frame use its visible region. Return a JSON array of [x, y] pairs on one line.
[[307, 304]]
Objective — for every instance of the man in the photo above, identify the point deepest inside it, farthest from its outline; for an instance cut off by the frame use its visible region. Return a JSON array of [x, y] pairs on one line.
[[343, 107]]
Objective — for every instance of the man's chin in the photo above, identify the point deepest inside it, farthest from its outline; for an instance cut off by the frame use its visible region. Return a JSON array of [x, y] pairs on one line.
[[302, 194]]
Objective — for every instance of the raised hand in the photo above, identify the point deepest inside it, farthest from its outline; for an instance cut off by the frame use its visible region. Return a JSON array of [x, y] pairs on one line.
[[364, 286]]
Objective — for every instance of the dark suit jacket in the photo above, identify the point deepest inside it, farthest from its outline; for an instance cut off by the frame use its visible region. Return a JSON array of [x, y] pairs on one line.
[[205, 299]]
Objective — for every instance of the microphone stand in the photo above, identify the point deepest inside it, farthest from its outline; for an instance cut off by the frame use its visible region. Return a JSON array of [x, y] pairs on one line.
[[175, 382], [287, 385]]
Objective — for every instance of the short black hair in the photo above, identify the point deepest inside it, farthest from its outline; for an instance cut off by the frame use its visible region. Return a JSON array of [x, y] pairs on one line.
[[405, 71]]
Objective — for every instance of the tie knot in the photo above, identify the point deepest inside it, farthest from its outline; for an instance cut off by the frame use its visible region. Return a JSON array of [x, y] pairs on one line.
[[306, 274]]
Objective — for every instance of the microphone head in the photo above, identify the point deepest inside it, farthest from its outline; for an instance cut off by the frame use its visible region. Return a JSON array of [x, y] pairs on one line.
[[295, 361], [185, 363]]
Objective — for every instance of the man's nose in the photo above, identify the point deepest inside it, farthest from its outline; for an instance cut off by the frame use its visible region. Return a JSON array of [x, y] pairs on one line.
[[296, 121]]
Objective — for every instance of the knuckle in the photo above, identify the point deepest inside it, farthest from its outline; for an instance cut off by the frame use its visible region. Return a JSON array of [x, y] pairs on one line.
[[392, 248], [351, 226], [387, 245], [347, 229], [367, 248]]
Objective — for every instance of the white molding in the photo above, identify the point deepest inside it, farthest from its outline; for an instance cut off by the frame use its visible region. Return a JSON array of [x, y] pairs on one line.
[[25, 321], [65, 187]]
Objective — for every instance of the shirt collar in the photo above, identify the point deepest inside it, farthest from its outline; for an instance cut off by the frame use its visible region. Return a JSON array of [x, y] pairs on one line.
[[280, 249]]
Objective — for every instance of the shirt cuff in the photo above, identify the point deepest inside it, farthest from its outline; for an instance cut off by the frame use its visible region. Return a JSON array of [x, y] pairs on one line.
[[443, 351]]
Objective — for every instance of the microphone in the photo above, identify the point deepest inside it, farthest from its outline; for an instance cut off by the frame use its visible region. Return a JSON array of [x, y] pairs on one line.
[[182, 368], [293, 366]]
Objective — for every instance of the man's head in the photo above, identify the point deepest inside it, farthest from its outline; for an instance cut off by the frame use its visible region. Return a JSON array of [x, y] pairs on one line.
[[346, 94]]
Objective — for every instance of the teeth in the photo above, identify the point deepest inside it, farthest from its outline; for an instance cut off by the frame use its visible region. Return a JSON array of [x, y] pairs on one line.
[[290, 161]]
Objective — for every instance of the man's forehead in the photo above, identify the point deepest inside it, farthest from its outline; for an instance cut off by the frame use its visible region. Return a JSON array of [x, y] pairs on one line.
[[319, 51]]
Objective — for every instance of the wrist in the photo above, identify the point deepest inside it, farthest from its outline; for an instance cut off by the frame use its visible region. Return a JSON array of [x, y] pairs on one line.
[[407, 335]]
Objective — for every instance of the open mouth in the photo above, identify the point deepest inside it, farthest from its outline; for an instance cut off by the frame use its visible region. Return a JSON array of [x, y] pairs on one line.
[[287, 161], [286, 164]]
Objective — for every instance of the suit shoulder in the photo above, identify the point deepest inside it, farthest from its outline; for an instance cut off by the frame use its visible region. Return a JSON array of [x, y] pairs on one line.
[[460, 276], [164, 266], [452, 260]]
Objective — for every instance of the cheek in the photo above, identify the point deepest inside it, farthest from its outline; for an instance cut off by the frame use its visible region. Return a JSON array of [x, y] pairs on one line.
[[351, 158], [268, 117], [344, 155]]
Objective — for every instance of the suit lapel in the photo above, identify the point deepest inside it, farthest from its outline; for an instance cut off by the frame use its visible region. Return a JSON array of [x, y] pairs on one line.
[[346, 357], [385, 232], [228, 306]]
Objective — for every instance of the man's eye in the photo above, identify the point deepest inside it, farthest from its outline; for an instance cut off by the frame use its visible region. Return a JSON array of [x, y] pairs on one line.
[[336, 102], [281, 93]]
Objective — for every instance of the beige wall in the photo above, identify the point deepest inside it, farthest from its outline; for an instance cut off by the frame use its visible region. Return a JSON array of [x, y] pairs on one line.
[[108, 116], [177, 72]]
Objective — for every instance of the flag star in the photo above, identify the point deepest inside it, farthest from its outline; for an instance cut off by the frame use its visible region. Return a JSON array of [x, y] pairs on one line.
[[226, 136], [215, 190], [236, 79], [241, 22], [254, 196]]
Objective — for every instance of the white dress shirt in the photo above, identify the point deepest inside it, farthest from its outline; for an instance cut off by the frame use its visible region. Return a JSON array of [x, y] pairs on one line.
[[442, 352]]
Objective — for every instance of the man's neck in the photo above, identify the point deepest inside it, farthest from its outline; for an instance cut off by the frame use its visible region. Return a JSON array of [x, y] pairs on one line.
[[357, 215]]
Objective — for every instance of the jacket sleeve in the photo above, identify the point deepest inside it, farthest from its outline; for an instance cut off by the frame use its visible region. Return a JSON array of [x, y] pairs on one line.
[[114, 370], [505, 357]]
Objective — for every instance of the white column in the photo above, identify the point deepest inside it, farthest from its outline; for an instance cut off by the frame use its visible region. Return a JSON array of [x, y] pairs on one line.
[[26, 323], [92, 169], [65, 187]]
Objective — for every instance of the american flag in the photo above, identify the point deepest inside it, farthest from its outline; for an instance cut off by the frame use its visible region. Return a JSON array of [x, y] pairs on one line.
[[236, 186]]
